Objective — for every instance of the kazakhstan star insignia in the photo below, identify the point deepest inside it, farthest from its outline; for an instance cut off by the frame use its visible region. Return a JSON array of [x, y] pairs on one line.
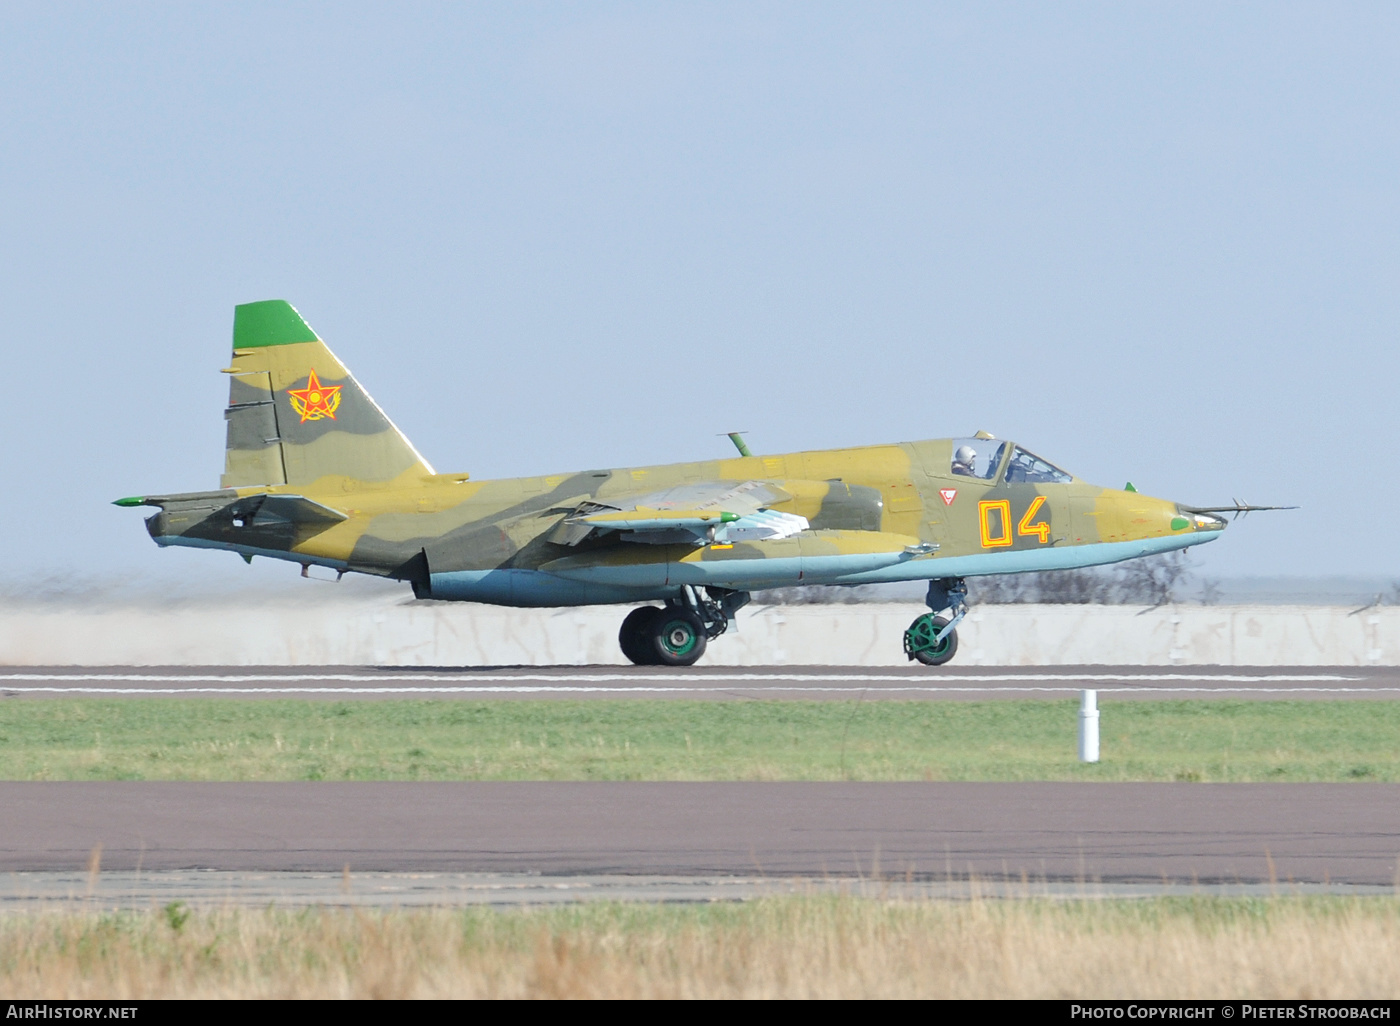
[[316, 401]]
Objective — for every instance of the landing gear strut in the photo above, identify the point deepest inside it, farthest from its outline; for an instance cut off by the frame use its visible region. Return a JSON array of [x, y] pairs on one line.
[[676, 634], [932, 639]]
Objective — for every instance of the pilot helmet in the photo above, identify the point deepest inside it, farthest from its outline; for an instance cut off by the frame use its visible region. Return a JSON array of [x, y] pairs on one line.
[[965, 454]]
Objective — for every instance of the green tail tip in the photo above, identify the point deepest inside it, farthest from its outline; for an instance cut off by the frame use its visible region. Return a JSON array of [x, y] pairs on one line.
[[1129, 487], [273, 322], [131, 500]]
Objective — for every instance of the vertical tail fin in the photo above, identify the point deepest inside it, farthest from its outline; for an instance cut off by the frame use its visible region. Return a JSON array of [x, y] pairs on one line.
[[296, 415]]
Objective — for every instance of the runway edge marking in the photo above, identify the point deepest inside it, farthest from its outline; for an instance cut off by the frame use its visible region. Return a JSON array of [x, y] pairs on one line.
[[596, 689], [670, 678]]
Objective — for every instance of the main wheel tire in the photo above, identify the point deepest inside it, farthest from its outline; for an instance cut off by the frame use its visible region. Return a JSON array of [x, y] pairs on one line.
[[919, 641], [635, 637], [677, 637]]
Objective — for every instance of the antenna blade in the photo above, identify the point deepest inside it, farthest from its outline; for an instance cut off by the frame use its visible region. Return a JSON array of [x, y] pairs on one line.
[[737, 437]]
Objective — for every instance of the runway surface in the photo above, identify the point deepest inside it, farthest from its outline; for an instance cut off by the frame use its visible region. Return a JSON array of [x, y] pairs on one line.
[[709, 683], [1038, 832]]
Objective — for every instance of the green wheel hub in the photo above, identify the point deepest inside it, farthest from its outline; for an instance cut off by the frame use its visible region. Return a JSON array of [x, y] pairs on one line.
[[920, 641], [678, 636]]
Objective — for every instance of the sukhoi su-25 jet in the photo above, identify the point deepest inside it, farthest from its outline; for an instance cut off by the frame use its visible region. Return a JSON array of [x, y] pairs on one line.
[[316, 474]]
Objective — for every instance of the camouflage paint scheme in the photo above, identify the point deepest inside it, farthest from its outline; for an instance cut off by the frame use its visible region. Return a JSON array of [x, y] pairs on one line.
[[317, 474]]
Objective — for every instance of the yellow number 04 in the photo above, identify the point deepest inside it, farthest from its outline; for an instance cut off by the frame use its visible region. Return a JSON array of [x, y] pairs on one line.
[[1025, 528]]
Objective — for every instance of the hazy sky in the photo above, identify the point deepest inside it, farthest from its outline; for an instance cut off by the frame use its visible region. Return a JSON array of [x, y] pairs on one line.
[[1157, 242]]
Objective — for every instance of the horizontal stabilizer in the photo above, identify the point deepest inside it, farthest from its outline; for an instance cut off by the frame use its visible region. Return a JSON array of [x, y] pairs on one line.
[[264, 508], [210, 500], [295, 509]]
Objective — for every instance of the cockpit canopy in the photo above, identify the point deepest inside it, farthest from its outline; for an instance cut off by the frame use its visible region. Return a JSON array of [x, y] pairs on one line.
[[983, 457], [977, 457]]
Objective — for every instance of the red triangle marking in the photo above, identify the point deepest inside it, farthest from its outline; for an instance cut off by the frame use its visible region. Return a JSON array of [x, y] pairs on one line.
[[949, 494]]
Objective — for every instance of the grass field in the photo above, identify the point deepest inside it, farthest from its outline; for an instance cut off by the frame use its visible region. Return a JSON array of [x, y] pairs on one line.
[[217, 739], [781, 947]]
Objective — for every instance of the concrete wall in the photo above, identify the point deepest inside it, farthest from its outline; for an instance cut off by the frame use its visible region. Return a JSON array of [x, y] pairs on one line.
[[390, 631]]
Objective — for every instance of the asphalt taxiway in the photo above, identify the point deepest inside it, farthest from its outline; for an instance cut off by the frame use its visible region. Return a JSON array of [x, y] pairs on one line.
[[1119, 833]]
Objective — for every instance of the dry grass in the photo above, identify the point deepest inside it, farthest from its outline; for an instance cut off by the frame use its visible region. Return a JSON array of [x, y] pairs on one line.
[[787, 947]]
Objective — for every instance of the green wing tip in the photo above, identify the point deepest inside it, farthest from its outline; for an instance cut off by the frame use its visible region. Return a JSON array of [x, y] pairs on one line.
[[1129, 487], [132, 500], [273, 322]]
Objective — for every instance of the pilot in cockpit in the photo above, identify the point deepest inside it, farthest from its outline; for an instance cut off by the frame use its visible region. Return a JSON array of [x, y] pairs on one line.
[[964, 461]]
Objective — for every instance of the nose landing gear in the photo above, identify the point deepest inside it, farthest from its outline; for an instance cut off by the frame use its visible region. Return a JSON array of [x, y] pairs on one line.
[[677, 633], [932, 639]]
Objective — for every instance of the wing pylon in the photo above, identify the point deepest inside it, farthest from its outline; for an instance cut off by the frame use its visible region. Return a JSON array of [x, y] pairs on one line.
[[717, 512]]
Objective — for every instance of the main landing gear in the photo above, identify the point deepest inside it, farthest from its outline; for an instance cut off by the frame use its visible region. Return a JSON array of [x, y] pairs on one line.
[[932, 639], [676, 634]]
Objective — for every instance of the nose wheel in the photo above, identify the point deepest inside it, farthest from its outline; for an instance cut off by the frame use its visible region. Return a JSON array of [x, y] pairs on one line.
[[932, 639], [926, 641]]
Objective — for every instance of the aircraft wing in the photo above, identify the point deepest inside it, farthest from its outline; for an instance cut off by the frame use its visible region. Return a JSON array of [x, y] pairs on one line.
[[711, 511]]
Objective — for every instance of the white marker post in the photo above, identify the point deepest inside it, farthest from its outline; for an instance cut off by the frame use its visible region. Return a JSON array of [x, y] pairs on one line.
[[1089, 727]]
